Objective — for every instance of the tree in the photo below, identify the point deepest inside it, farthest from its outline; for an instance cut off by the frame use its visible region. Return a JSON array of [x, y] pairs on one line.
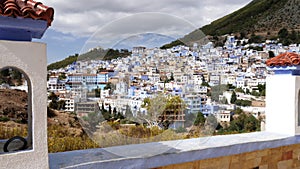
[[205, 84], [218, 90], [93, 119], [17, 75], [173, 110], [108, 86], [293, 36], [52, 96], [155, 107], [248, 91], [62, 76], [262, 89], [102, 106], [210, 125], [172, 77], [4, 73], [283, 33], [109, 109], [97, 92], [53, 104], [284, 36], [233, 98], [238, 111], [224, 100], [189, 119], [243, 103], [255, 38], [106, 115], [255, 93], [271, 54], [128, 112], [242, 35], [120, 116], [244, 123], [162, 110], [5, 77], [200, 119], [61, 105], [251, 123], [230, 87], [115, 113], [240, 90], [146, 103]]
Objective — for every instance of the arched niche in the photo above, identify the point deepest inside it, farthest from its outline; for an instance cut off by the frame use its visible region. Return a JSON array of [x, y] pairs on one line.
[[15, 110]]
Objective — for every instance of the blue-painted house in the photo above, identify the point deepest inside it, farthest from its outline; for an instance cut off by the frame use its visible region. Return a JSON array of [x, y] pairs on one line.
[[89, 81]]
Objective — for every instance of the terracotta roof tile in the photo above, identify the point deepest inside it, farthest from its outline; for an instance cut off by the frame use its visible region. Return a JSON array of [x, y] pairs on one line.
[[284, 59], [26, 9]]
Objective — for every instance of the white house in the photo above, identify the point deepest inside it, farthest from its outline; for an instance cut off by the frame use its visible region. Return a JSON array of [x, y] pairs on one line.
[[223, 116]]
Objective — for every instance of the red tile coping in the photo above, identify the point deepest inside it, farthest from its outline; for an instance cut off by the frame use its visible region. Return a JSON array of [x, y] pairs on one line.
[[26, 9], [284, 59]]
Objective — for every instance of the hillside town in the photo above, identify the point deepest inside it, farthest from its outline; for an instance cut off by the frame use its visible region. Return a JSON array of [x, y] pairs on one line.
[[204, 77]]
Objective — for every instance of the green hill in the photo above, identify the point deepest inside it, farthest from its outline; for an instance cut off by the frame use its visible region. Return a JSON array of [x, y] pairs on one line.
[[257, 16], [196, 36], [260, 17], [94, 54], [63, 63], [104, 54]]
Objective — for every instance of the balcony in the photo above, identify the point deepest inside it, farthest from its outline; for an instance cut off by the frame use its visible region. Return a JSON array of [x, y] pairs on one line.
[[277, 147]]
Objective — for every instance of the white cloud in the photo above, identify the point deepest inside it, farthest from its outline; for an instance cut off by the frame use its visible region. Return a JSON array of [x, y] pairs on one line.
[[138, 24], [83, 17]]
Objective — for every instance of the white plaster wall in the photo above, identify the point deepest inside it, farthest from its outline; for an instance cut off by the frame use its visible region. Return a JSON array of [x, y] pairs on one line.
[[297, 104], [281, 104], [31, 58]]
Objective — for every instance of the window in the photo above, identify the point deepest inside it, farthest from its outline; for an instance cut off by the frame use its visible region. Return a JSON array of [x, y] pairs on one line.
[[15, 111]]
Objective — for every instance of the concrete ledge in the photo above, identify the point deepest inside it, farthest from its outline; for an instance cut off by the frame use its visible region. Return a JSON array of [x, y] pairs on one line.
[[158, 154]]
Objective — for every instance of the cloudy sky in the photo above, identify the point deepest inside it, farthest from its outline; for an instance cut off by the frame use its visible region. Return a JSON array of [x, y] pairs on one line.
[[82, 24]]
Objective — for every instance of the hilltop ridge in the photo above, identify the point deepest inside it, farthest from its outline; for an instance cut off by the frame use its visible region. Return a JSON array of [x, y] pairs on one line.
[[259, 16]]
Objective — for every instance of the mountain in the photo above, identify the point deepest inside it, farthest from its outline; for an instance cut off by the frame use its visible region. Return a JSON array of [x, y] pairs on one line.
[[196, 36], [149, 40], [93, 54], [63, 63], [259, 16]]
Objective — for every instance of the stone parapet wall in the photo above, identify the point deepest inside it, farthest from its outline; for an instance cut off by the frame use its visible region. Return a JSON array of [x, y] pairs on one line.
[[286, 157], [249, 150]]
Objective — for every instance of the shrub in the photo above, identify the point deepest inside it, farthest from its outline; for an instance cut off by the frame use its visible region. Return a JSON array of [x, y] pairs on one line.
[[4, 119]]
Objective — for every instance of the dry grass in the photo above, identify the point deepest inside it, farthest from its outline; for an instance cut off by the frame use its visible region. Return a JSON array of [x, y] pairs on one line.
[[106, 136], [59, 140], [11, 129]]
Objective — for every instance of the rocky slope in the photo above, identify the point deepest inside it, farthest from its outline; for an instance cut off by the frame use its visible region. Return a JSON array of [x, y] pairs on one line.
[[13, 105], [13, 112]]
